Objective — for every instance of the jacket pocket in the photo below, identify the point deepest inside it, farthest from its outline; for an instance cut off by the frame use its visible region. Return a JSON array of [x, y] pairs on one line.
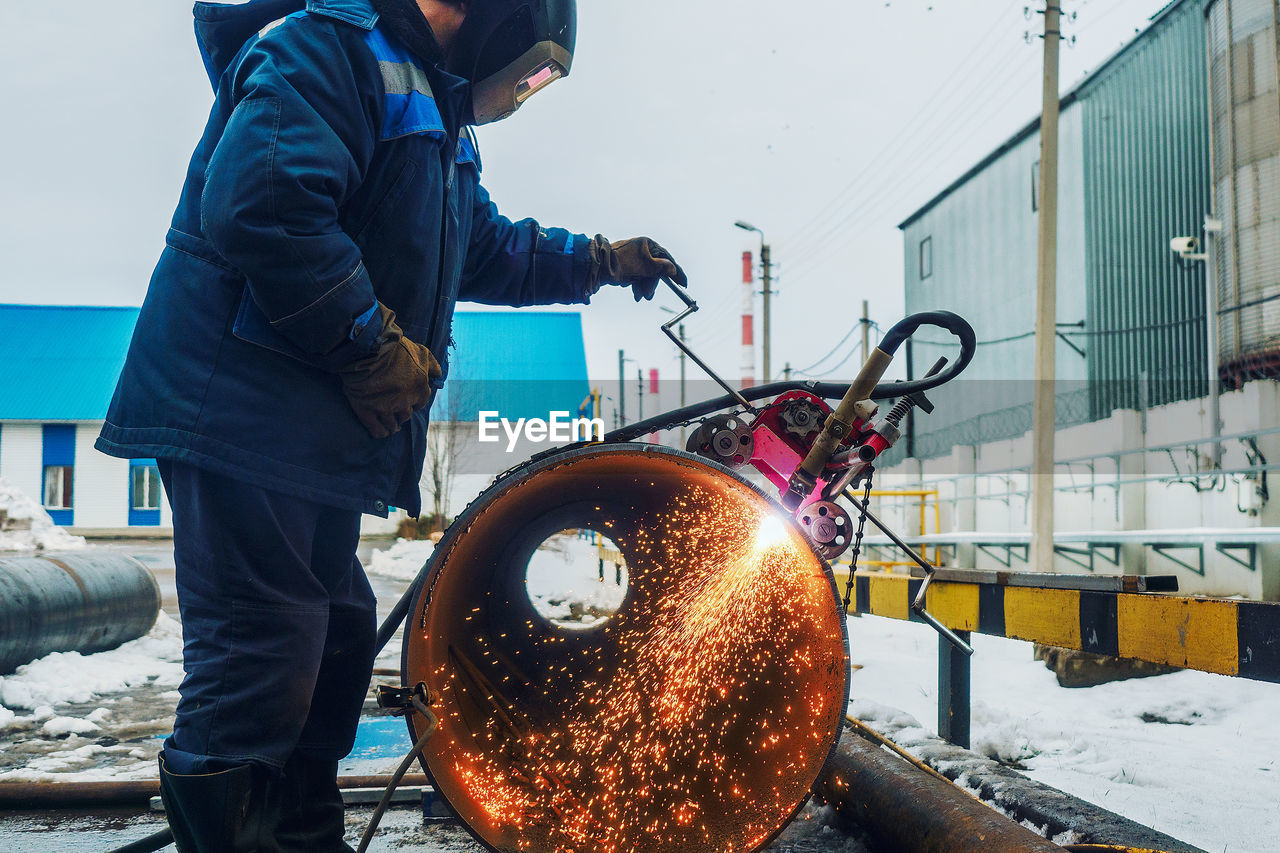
[[386, 206], [252, 326]]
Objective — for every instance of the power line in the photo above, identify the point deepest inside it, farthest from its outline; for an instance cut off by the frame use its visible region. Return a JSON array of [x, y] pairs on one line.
[[886, 187], [834, 350], [927, 111], [857, 350], [960, 115]]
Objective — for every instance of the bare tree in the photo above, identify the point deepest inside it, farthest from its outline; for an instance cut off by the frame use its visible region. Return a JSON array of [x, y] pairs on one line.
[[446, 445]]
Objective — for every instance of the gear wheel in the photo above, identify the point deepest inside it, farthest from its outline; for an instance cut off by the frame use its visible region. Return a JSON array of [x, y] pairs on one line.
[[802, 418], [828, 527], [726, 439]]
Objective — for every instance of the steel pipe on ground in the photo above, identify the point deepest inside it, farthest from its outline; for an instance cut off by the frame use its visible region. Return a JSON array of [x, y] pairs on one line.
[[61, 795], [908, 809], [79, 602]]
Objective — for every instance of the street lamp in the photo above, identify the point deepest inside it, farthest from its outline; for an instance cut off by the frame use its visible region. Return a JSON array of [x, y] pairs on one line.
[[766, 262]]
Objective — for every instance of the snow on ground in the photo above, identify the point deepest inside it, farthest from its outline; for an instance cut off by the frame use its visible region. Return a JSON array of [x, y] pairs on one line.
[[563, 580], [565, 586], [1194, 755], [67, 677], [25, 526], [75, 717], [403, 560]]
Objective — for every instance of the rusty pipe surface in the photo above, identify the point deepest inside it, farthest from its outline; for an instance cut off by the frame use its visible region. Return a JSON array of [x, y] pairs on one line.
[[51, 795], [907, 809], [694, 719]]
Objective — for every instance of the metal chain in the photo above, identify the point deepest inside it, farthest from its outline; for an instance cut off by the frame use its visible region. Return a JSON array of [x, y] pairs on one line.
[[857, 541]]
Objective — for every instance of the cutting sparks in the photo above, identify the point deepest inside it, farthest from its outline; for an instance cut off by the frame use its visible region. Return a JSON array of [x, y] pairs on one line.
[[694, 720]]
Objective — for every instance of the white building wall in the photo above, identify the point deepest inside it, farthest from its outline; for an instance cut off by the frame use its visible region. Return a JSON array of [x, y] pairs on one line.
[[1090, 498], [22, 457], [102, 483]]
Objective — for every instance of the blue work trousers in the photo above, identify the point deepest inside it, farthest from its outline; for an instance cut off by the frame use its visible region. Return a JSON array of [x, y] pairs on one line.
[[278, 625]]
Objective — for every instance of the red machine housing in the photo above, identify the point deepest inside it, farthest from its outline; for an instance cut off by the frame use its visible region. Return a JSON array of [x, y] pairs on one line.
[[784, 433]]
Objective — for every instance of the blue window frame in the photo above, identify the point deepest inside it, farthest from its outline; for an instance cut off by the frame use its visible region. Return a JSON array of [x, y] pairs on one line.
[[144, 493], [58, 488]]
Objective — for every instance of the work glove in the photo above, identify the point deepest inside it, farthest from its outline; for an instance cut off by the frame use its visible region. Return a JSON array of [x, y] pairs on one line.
[[638, 264], [387, 386]]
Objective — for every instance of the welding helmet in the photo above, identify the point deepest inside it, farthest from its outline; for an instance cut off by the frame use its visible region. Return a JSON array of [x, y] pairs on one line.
[[512, 49]]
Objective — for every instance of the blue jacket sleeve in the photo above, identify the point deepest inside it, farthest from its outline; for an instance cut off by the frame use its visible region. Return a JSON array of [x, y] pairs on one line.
[[522, 263], [295, 148]]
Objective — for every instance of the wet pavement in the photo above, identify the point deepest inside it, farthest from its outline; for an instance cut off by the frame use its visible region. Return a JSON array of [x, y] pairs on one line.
[[815, 831]]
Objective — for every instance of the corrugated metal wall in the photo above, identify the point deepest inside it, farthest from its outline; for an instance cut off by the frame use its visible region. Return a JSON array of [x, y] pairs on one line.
[[1146, 132], [984, 241]]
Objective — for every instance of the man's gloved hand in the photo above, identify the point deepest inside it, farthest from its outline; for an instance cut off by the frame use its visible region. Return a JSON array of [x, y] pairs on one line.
[[388, 385], [638, 264]]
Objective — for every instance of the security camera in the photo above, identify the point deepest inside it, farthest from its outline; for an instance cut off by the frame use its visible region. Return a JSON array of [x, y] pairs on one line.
[[1185, 247]]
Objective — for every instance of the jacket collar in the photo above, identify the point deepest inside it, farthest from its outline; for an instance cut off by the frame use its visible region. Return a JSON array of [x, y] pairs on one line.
[[359, 13], [222, 29]]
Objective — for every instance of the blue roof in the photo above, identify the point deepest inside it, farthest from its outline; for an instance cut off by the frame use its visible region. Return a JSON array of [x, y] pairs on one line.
[[61, 362], [520, 364]]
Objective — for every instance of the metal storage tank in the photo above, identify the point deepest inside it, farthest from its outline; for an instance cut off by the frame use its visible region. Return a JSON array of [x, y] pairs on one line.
[[1246, 183]]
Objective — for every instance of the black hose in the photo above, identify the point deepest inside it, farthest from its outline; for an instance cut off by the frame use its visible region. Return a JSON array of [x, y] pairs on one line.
[[385, 802], [150, 844], [952, 323]]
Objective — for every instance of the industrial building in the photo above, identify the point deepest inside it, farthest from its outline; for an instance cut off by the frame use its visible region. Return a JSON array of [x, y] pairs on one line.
[[1180, 126], [1151, 144], [54, 399]]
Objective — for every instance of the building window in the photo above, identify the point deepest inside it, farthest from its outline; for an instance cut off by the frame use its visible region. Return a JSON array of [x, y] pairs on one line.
[[144, 493], [146, 487], [58, 480], [1035, 187], [59, 472], [926, 258]]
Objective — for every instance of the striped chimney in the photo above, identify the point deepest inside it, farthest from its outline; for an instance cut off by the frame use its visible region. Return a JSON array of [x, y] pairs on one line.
[[748, 321]]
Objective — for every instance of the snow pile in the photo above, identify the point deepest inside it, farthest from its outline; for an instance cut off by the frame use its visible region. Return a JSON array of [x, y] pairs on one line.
[[564, 583], [70, 677], [86, 762], [403, 560], [25, 526], [1193, 755]]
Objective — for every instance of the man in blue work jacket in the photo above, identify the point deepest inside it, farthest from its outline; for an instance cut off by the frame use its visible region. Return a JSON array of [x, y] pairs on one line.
[[294, 333]]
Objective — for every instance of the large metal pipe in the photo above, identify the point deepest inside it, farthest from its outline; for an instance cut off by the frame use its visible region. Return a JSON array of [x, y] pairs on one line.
[[908, 809], [694, 719], [79, 602]]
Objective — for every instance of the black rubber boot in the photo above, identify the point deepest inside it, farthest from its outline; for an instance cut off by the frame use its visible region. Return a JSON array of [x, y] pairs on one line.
[[234, 811], [311, 813]]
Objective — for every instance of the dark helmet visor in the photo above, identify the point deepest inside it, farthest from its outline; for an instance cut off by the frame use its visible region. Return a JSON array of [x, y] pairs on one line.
[[512, 49]]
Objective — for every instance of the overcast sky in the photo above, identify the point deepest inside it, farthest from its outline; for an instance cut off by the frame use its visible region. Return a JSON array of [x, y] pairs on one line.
[[824, 123]]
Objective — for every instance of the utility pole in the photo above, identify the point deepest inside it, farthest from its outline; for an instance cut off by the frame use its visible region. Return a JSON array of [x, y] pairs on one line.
[[683, 440], [766, 260], [786, 371], [1212, 234], [622, 388], [1044, 421], [640, 395], [866, 331]]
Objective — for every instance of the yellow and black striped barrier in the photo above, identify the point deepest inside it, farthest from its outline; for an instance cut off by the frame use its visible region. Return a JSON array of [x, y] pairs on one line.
[[1224, 636]]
